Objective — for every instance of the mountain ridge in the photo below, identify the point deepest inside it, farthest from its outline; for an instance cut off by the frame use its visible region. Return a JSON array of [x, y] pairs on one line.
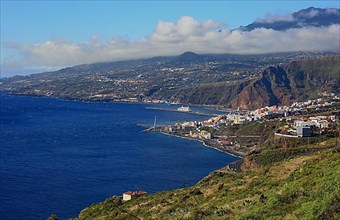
[[284, 85], [276, 85], [309, 17], [188, 82]]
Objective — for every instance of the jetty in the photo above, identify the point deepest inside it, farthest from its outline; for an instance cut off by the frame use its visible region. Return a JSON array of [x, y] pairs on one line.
[[186, 112]]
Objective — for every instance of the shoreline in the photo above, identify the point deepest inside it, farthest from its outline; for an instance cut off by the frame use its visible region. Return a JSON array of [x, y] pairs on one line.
[[103, 101], [235, 154], [209, 107]]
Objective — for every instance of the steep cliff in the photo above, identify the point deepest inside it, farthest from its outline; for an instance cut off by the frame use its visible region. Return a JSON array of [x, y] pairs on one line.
[[296, 81]]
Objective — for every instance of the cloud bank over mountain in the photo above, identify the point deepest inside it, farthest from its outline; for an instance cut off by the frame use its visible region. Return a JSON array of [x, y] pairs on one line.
[[172, 38]]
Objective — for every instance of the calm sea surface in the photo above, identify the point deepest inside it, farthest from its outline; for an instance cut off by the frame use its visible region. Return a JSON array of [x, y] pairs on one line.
[[61, 156]]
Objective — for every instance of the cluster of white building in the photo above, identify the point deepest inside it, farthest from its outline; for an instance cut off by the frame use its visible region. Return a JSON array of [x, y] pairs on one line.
[[194, 127], [311, 104], [317, 121], [269, 110], [300, 128], [295, 106], [304, 127]]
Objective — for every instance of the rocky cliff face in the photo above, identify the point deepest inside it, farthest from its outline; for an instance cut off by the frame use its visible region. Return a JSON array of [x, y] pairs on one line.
[[298, 80], [276, 85], [272, 88]]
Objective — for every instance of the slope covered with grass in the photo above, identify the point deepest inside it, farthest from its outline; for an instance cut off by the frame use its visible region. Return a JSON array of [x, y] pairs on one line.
[[288, 183]]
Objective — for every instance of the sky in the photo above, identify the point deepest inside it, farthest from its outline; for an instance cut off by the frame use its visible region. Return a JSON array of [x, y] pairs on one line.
[[48, 35]]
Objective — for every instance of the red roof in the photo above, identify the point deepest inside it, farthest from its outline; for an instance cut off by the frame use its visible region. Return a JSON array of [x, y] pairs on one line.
[[139, 192], [136, 193]]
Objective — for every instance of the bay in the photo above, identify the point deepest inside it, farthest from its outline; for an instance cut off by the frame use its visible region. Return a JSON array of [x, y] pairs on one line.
[[59, 156]]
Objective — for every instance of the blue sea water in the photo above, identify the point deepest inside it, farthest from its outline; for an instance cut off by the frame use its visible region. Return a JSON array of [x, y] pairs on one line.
[[58, 156]]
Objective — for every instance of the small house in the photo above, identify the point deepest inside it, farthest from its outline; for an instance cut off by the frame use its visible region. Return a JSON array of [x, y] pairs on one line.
[[129, 195]]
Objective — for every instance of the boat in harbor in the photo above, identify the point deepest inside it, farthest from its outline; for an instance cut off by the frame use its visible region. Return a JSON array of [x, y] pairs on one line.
[[184, 109]]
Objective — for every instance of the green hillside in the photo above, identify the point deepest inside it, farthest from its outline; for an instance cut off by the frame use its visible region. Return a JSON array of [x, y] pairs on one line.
[[300, 182]]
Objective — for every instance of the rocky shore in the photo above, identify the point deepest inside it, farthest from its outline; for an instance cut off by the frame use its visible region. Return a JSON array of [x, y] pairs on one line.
[[234, 150]]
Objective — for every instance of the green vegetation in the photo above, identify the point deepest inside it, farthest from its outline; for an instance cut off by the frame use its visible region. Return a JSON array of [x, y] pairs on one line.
[[322, 69], [231, 80], [289, 182], [252, 128]]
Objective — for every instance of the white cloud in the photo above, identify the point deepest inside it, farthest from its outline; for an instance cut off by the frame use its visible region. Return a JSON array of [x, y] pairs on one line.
[[275, 18], [185, 27], [95, 37], [172, 38], [310, 14], [332, 11]]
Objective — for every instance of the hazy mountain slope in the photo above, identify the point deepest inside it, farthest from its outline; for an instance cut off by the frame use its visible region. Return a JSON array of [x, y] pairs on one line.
[[310, 17], [190, 79], [208, 94], [141, 78]]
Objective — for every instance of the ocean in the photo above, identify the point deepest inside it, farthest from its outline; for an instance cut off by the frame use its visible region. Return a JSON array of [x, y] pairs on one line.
[[59, 156]]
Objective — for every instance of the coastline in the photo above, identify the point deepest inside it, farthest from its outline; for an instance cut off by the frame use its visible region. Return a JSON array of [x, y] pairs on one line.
[[105, 154], [233, 153], [208, 107]]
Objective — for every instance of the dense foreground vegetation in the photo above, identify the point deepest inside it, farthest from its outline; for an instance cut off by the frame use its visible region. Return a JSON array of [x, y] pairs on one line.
[[300, 182]]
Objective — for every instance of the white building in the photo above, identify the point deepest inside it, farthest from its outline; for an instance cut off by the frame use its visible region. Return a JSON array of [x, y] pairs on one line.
[[129, 195], [300, 123], [303, 131], [205, 135]]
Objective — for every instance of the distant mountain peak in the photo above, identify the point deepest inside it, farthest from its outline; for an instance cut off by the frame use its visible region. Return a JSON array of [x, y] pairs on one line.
[[187, 57], [189, 54], [311, 16]]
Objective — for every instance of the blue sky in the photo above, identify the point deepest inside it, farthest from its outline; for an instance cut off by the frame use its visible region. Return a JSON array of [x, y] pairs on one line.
[[35, 21], [25, 23]]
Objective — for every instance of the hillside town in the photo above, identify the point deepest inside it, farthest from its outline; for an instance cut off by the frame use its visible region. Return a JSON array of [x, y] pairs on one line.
[[312, 118]]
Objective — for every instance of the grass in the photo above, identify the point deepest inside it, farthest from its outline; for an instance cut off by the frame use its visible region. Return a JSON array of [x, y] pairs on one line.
[[293, 183]]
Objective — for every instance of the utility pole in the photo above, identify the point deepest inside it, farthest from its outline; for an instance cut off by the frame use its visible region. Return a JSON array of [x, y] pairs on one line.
[[338, 129], [154, 124]]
